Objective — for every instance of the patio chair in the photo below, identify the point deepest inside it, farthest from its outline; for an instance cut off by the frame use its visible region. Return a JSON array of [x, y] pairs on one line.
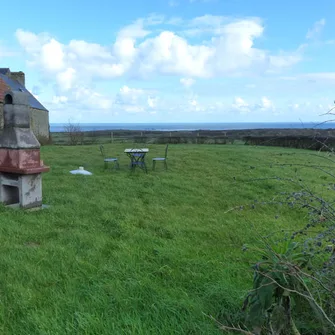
[[107, 160], [138, 159], [161, 159]]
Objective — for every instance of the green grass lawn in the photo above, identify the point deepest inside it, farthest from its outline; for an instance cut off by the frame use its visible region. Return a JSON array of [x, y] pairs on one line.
[[122, 253]]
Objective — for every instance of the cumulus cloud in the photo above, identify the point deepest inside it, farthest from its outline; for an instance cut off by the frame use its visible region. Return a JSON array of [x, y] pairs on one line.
[[81, 98], [134, 100], [141, 50], [66, 79], [242, 106], [129, 96], [80, 101], [207, 46], [266, 104]]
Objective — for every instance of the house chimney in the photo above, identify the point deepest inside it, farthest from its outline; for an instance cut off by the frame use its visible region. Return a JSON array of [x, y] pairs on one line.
[[19, 76]]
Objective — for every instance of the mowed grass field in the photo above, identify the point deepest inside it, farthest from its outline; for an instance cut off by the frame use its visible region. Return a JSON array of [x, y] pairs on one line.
[[122, 253]]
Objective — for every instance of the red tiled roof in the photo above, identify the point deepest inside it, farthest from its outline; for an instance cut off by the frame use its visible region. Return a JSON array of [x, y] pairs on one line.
[[3, 88]]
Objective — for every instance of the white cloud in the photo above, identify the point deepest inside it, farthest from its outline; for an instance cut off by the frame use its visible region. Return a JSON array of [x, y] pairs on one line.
[[193, 103], [81, 98], [169, 53], [187, 82], [52, 56], [315, 31], [129, 95], [84, 50], [152, 102], [283, 60], [134, 30], [267, 104], [206, 24], [208, 46], [140, 50], [32, 43], [134, 100], [61, 99], [294, 106], [242, 106], [66, 79]]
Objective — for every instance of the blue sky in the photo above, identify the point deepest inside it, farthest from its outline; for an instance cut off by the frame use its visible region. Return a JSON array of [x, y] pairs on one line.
[[174, 60]]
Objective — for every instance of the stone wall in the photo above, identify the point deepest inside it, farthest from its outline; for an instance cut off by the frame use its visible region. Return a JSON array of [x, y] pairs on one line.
[[1, 115], [39, 123]]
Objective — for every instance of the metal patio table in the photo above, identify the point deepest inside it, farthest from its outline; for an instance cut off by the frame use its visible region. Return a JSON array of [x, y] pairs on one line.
[[137, 158]]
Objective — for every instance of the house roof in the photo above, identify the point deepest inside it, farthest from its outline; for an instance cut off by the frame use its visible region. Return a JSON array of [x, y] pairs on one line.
[[14, 85], [4, 70]]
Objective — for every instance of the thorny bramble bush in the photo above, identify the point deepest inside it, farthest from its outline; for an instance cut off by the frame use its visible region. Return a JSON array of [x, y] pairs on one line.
[[294, 281]]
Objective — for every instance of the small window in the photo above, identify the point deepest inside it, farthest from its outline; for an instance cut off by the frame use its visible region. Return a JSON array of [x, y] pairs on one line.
[[8, 99]]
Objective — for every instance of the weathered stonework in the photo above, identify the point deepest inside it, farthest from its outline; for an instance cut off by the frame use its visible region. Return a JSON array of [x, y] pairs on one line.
[[39, 123], [39, 118], [20, 163]]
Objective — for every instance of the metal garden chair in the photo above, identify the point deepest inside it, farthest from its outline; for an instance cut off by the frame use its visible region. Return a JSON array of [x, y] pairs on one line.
[[161, 159], [138, 159], [107, 160]]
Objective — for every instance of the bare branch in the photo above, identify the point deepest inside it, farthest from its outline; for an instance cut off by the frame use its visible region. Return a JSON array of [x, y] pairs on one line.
[[223, 327], [74, 133], [329, 112], [308, 297]]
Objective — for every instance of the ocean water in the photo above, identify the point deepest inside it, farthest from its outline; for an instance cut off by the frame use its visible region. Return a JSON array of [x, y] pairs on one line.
[[59, 127]]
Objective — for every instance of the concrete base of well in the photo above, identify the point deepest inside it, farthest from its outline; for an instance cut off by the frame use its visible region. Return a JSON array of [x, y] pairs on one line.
[[17, 206], [21, 191]]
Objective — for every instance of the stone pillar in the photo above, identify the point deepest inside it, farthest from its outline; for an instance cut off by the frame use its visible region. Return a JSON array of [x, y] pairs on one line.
[[20, 164]]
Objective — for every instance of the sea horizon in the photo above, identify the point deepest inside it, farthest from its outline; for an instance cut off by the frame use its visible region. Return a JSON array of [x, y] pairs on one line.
[[192, 126]]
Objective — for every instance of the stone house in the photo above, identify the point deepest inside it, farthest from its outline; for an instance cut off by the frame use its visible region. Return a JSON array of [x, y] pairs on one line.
[[39, 115]]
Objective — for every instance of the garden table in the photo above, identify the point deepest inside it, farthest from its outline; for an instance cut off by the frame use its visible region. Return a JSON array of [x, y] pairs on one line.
[[137, 158]]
